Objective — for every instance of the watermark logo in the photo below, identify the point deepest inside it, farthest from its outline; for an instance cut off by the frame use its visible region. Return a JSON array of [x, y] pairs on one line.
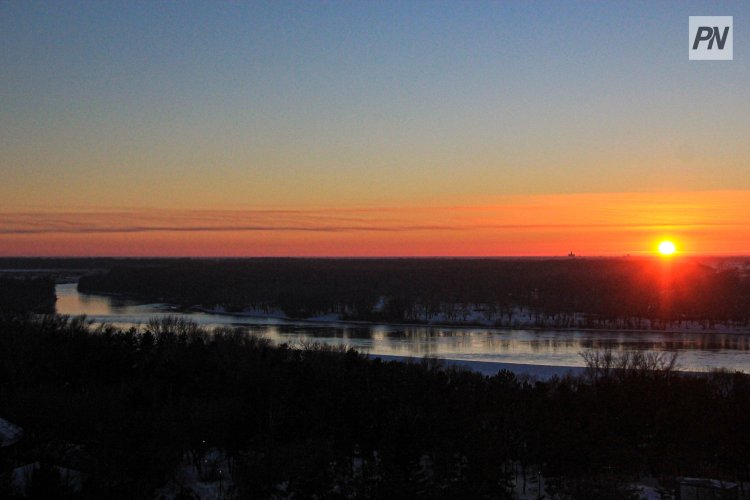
[[711, 38]]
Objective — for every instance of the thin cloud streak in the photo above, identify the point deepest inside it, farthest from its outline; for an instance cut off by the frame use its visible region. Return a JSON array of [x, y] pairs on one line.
[[499, 217], [336, 229], [601, 223]]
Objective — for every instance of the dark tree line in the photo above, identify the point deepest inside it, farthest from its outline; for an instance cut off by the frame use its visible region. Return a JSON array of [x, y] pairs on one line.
[[21, 295], [607, 292], [330, 423]]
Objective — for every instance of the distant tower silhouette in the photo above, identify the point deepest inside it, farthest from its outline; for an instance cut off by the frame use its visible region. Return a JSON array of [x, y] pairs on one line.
[[571, 254]]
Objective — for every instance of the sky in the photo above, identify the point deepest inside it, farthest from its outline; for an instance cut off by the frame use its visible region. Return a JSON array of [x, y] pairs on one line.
[[370, 128]]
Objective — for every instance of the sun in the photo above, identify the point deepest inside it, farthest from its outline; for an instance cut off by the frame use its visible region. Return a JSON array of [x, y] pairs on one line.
[[666, 247]]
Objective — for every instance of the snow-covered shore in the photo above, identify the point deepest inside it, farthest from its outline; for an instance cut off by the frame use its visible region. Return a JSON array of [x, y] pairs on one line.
[[528, 323], [541, 372]]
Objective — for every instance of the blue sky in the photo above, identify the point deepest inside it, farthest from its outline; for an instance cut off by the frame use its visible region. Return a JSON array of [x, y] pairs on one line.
[[340, 104]]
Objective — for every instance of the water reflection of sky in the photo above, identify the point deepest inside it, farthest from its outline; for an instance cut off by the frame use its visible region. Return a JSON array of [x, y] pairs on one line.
[[697, 350]]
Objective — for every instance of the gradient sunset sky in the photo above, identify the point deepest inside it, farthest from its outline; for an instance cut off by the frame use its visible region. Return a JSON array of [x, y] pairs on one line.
[[370, 128]]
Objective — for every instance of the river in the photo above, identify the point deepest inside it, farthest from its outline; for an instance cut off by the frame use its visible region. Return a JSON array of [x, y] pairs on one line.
[[697, 351]]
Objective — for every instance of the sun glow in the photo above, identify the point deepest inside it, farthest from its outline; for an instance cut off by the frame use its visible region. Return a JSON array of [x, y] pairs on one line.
[[667, 248]]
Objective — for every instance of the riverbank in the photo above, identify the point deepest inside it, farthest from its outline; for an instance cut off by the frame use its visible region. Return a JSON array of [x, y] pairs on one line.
[[336, 319], [547, 294], [490, 368]]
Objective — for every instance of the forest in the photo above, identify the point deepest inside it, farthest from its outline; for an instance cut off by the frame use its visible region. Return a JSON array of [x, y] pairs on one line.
[[633, 293], [126, 408], [35, 295]]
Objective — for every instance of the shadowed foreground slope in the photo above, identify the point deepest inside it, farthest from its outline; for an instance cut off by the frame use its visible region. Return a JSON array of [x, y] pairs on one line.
[[332, 423]]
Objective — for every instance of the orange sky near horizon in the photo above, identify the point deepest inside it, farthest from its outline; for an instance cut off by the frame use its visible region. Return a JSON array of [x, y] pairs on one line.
[[700, 223]]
